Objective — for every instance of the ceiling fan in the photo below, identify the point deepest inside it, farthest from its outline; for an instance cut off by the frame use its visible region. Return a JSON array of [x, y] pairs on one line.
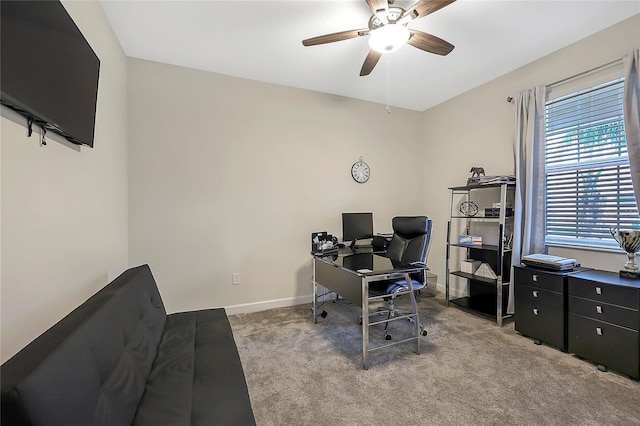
[[388, 31]]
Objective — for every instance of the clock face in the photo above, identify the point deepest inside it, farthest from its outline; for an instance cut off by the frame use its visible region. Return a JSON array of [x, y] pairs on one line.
[[360, 171]]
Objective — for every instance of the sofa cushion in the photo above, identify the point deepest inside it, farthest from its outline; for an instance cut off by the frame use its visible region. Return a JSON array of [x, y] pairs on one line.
[[198, 367], [91, 367]]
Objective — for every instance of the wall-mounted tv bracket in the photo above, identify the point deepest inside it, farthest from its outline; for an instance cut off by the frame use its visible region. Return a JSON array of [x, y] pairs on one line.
[[43, 139]]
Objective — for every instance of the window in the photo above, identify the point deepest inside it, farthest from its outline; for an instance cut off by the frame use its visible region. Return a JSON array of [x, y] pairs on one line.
[[588, 181]]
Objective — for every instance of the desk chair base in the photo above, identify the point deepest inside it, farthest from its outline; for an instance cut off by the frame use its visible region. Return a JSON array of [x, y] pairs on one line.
[[394, 314], [397, 314]]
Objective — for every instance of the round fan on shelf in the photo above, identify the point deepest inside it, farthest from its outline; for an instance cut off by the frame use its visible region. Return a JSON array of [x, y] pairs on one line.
[[388, 31], [469, 208]]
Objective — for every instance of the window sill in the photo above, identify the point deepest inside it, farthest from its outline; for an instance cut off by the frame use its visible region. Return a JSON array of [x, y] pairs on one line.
[[587, 248]]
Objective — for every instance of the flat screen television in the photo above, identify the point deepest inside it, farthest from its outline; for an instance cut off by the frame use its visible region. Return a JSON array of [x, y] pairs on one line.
[[357, 226], [49, 73]]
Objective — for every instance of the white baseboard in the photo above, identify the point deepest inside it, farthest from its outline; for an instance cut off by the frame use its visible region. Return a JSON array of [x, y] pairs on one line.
[[454, 293], [246, 308]]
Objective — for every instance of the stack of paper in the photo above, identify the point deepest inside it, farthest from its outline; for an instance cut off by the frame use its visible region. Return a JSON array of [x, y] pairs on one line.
[[485, 180]]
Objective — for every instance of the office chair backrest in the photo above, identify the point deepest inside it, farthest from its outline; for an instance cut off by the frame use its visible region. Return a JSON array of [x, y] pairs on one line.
[[411, 239]]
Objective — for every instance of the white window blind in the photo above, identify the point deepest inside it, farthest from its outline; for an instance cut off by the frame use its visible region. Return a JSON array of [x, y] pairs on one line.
[[588, 182]]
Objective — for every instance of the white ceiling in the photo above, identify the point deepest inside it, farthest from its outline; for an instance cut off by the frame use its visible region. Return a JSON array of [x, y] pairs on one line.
[[262, 40]]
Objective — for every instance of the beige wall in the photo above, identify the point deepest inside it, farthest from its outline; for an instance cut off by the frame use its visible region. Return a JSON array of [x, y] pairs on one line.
[[476, 129], [229, 175], [64, 208]]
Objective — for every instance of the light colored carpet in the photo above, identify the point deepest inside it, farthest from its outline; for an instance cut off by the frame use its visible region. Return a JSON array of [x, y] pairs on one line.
[[470, 372]]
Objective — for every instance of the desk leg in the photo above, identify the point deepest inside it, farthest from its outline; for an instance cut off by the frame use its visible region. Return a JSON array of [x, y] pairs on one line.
[[365, 323], [416, 326], [315, 291]]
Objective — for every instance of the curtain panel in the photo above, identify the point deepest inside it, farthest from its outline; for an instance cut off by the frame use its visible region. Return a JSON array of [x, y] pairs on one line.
[[631, 108], [528, 149]]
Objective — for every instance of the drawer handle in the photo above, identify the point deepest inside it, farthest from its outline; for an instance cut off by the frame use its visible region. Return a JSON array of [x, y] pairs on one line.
[[535, 311], [535, 293], [598, 331], [598, 290], [599, 309], [535, 278]]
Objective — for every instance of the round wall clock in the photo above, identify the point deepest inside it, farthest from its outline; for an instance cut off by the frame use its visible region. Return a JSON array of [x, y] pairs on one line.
[[360, 171]]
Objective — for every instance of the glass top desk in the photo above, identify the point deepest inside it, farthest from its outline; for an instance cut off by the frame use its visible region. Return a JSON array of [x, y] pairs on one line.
[[349, 275]]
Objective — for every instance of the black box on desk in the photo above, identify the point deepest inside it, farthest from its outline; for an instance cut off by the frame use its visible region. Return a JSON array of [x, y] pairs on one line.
[[379, 243], [495, 212], [323, 242]]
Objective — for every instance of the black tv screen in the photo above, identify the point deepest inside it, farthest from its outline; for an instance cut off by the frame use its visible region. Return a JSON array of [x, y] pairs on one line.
[[49, 72]]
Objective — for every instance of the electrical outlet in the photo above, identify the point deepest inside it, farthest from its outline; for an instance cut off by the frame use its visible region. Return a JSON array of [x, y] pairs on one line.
[[235, 278]]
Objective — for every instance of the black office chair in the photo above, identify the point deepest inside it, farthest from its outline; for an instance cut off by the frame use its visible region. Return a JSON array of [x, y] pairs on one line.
[[409, 245]]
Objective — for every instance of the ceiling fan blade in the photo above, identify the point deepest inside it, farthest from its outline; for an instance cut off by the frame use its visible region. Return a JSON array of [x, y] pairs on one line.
[[376, 5], [426, 7], [370, 62], [430, 43], [330, 38]]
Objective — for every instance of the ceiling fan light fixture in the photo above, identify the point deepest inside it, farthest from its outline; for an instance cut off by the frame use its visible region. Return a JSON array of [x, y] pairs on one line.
[[388, 38]]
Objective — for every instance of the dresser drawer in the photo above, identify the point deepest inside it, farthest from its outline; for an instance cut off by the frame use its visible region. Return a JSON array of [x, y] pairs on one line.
[[605, 287], [539, 314], [613, 314], [612, 346], [537, 297], [540, 279]]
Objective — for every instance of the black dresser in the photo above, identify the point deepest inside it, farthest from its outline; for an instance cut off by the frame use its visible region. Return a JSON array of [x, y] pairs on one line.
[[541, 305], [604, 320], [592, 314]]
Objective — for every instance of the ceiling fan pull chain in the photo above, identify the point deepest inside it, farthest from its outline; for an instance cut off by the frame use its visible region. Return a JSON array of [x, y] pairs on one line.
[[388, 83]]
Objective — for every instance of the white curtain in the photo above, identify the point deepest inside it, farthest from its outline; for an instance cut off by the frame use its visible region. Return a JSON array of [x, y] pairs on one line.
[[528, 149], [631, 105]]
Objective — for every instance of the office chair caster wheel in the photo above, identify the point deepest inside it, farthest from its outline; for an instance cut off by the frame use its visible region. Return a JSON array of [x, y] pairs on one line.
[[323, 314], [387, 337]]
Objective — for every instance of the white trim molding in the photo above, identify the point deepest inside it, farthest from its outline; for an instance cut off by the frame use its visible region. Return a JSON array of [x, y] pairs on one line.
[[246, 308]]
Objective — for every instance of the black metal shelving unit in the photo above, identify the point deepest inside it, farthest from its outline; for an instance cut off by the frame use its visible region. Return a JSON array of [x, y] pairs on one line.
[[484, 296]]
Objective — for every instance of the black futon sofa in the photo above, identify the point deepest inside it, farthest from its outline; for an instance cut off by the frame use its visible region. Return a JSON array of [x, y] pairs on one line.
[[119, 359]]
